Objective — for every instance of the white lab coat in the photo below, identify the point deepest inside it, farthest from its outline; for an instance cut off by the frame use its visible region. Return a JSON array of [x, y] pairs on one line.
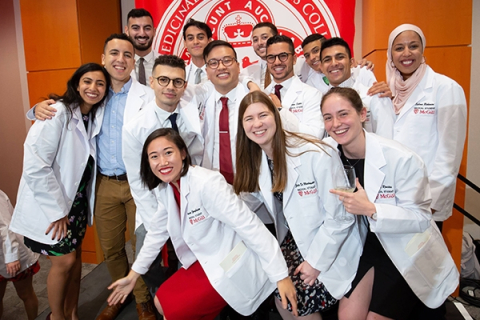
[[303, 102], [12, 245], [138, 97], [55, 156], [396, 182], [211, 222], [135, 132], [328, 243], [433, 124], [380, 115]]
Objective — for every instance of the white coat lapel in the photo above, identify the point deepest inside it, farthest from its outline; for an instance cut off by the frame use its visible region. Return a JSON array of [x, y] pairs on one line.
[[209, 130], [292, 175], [77, 121], [374, 161], [184, 192], [134, 101], [419, 93], [174, 216], [97, 123], [265, 182], [291, 95]]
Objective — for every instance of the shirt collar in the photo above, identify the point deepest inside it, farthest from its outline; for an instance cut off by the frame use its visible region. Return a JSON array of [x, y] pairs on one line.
[[149, 57], [231, 95], [162, 114], [125, 89]]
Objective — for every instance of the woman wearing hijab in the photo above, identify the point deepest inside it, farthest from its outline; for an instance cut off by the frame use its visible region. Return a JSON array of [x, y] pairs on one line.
[[430, 113]]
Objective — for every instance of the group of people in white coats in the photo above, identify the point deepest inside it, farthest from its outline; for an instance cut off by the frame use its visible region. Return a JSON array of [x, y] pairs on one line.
[[377, 250]]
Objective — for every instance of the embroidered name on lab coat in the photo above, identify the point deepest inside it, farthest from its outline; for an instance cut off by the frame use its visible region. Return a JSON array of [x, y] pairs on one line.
[[296, 107], [386, 192], [306, 188], [424, 108], [195, 216]]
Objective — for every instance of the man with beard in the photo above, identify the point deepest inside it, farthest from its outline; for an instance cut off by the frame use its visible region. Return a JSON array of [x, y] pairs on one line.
[[141, 31]]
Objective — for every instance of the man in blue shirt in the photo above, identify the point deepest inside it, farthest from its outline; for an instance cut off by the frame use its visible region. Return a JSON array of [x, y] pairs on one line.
[[114, 205]]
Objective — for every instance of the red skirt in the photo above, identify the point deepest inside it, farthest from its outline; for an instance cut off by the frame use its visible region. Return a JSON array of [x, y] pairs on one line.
[[188, 295], [29, 272]]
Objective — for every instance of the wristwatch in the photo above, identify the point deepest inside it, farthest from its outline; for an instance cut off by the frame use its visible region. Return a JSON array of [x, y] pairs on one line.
[[374, 216]]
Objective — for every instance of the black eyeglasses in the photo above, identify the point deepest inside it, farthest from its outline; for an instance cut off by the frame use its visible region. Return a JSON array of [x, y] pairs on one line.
[[214, 63], [165, 81], [281, 56]]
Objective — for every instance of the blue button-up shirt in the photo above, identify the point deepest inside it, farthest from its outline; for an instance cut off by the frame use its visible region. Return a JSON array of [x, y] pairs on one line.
[[109, 141]]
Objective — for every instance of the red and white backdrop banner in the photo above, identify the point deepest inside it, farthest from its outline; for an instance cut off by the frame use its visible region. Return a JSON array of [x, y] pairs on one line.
[[233, 20]]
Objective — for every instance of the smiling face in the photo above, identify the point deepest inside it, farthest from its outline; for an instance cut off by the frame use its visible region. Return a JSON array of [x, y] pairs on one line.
[[141, 32], [259, 125], [167, 97], [281, 70], [91, 87], [336, 64], [223, 78], [165, 159], [342, 122], [259, 40], [118, 59], [407, 53], [311, 52], [195, 41]]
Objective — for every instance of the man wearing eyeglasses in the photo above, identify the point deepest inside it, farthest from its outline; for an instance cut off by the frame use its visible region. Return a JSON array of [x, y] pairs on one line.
[[167, 110], [289, 92]]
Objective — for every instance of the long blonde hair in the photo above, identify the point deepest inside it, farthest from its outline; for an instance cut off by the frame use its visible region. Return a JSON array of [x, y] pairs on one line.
[[249, 154]]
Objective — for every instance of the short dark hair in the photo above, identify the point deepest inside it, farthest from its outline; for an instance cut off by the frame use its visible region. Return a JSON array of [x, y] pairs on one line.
[[169, 60], [336, 41], [217, 43], [268, 25], [279, 39], [120, 36], [349, 94], [149, 179], [200, 25], [313, 37], [138, 13]]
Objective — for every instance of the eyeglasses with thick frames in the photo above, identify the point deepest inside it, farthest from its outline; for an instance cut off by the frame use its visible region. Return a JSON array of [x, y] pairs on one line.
[[281, 56], [165, 81], [214, 63]]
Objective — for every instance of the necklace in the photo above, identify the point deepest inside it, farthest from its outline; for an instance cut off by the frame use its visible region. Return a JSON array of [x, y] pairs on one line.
[[353, 165]]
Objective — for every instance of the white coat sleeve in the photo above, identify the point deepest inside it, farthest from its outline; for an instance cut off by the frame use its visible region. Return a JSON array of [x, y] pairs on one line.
[[451, 128], [145, 199], [411, 213], [154, 241], [332, 234], [382, 116], [40, 150], [223, 204], [8, 238]]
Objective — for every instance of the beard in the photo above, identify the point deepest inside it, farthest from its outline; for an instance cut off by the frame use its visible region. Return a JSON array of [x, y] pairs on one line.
[[142, 47]]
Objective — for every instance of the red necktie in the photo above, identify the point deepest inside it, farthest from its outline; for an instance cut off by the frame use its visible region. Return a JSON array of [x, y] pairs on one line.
[[277, 91], [226, 166]]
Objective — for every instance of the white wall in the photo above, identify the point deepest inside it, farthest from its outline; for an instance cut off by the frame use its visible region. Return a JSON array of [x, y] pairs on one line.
[[472, 199]]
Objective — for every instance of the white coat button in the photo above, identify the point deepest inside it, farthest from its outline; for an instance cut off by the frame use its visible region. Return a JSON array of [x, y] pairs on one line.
[[342, 262]]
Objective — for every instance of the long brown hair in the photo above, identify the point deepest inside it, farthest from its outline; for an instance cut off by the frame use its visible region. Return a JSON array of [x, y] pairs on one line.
[[249, 154]]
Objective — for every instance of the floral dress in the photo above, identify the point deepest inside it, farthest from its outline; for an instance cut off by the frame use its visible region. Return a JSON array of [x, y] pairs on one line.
[[78, 217], [310, 299]]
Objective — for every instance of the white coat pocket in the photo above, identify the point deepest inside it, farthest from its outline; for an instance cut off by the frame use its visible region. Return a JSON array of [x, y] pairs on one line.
[[247, 275], [430, 259]]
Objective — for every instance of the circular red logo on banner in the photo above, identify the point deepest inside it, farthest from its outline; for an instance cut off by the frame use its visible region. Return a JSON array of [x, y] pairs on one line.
[[233, 21]]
